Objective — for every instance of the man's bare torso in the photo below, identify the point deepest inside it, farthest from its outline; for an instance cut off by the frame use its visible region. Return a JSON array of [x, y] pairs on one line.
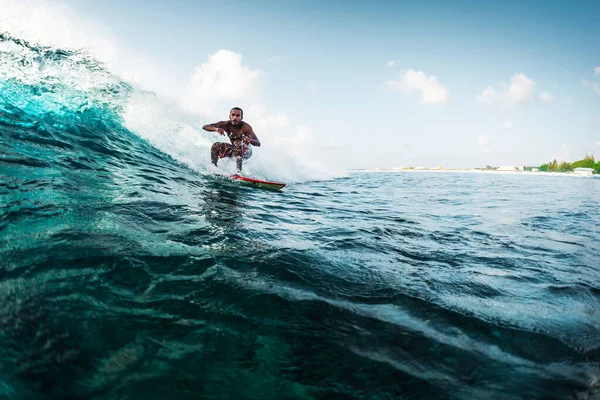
[[235, 132]]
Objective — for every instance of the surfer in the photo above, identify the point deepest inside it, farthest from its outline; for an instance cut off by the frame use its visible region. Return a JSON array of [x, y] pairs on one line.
[[240, 134]]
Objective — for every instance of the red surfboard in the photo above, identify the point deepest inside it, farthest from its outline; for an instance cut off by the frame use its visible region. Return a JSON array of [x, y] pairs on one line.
[[258, 183]]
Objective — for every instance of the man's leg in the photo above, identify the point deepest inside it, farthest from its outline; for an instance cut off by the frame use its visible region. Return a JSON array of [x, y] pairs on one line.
[[237, 152], [219, 150], [239, 158]]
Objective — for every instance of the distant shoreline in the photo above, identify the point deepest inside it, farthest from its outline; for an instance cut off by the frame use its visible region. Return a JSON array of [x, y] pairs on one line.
[[472, 170]]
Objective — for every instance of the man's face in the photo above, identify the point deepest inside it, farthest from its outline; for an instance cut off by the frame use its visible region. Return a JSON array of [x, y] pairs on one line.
[[235, 117]]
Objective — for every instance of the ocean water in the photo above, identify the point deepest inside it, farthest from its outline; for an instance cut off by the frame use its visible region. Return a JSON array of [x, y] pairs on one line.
[[129, 270]]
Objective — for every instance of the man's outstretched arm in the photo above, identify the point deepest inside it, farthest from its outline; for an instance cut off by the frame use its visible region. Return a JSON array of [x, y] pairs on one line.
[[214, 128]]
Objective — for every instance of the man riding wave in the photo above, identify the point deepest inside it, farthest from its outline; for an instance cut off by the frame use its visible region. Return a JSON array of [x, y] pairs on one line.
[[240, 134]]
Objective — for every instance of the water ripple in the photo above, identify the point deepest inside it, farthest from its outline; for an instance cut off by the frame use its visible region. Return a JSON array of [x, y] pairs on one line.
[[127, 275]]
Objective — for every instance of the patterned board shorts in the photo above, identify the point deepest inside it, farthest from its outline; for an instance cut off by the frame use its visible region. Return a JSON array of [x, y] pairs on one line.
[[226, 150]]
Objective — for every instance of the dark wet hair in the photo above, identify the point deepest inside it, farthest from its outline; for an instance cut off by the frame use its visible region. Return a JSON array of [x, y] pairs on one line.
[[237, 108]]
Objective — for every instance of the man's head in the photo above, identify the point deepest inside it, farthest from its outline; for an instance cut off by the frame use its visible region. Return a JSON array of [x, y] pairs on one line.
[[236, 115]]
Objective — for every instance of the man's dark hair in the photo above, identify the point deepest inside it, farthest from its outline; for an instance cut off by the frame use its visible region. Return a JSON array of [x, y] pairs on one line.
[[239, 109]]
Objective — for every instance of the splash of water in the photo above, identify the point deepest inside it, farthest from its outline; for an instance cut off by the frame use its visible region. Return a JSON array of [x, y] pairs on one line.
[[49, 52]]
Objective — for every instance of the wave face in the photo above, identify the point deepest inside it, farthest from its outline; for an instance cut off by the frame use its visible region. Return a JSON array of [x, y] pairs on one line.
[[129, 271]]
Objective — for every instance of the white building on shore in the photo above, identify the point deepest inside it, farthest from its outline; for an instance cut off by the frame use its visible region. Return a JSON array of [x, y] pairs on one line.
[[583, 171]]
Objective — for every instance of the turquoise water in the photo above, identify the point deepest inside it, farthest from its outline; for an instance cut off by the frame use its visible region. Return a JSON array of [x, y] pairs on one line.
[[128, 274]]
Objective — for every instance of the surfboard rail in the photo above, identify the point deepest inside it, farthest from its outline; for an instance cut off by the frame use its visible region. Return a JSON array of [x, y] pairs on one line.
[[258, 182]]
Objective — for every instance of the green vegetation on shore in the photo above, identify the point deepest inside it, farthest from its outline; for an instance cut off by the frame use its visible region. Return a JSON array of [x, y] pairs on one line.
[[587, 162]]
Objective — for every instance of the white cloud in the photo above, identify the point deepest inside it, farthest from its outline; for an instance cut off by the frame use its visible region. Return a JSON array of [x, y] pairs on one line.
[[222, 82], [272, 122], [221, 78], [595, 87], [486, 150], [520, 90], [597, 71], [487, 95], [262, 121], [391, 63], [312, 86], [507, 124], [432, 92], [569, 99], [545, 97]]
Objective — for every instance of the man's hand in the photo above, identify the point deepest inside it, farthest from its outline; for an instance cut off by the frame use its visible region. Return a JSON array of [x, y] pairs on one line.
[[220, 131]]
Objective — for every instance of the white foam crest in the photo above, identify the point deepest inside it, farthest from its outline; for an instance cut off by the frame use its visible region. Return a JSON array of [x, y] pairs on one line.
[[51, 23], [179, 134], [293, 153]]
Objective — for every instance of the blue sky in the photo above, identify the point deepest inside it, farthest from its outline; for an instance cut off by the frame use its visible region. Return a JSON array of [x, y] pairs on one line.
[[380, 83]]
